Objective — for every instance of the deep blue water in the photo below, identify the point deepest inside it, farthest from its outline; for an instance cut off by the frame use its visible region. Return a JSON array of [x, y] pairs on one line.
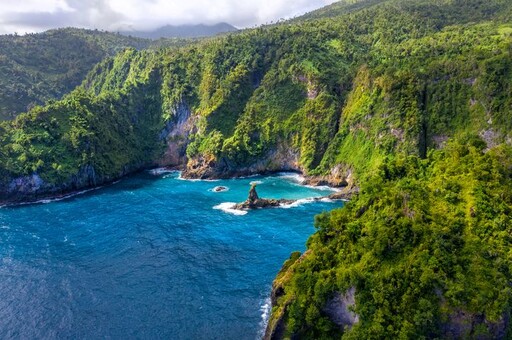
[[148, 257]]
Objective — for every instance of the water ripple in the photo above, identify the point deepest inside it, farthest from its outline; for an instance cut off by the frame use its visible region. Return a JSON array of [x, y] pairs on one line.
[[148, 257]]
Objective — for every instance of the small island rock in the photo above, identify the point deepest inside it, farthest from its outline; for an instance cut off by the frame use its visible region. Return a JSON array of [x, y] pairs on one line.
[[254, 202]]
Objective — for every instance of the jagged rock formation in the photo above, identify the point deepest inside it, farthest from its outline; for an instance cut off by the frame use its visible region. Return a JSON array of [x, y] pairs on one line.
[[254, 202]]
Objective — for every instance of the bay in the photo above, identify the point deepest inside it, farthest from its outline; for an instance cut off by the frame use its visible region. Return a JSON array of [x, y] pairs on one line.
[[153, 256]]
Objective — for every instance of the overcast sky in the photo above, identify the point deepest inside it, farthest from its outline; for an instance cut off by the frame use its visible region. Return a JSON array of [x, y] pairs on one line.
[[38, 15]]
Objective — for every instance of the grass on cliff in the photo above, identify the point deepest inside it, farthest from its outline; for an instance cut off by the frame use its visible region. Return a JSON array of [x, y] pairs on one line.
[[423, 240]]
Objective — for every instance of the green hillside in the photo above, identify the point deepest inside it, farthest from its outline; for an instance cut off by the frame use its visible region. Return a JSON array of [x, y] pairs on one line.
[[408, 101], [35, 68]]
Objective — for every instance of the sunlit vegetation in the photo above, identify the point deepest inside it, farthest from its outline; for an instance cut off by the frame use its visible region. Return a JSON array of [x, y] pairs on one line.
[[412, 98], [35, 68]]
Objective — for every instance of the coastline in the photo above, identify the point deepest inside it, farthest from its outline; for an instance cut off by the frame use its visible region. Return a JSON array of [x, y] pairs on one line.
[[341, 192]]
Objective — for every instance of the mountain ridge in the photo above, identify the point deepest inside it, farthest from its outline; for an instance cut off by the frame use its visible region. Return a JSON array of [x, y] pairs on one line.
[[183, 31]]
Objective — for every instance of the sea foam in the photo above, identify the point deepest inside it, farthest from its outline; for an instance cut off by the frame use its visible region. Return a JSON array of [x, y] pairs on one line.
[[51, 200], [161, 171], [196, 179], [265, 309], [298, 203], [227, 207], [293, 176]]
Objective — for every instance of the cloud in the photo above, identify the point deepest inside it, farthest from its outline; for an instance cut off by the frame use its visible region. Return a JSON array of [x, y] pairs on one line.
[[39, 15]]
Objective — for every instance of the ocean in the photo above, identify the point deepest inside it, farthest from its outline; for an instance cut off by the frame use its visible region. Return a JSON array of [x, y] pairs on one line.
[[152, 256]]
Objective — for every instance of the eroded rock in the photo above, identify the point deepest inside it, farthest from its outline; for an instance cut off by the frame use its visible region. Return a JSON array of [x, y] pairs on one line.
[[254, 202], [338, 309]]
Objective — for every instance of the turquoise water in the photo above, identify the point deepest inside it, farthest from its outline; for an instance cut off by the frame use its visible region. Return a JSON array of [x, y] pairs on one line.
[[148, 257]]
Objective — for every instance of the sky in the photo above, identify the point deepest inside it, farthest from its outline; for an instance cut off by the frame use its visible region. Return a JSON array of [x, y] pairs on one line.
[[28, 16]]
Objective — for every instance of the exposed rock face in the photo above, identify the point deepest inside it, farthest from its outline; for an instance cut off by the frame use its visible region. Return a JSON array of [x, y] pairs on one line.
[[464, 325], [254, 202], [345, 194], [276, 327], [340, 176], [281, 158], [202, 167], [491, 137], [26, 184], [277, 330], [439, 141], [176, 133], [34, 187], [338, 309]]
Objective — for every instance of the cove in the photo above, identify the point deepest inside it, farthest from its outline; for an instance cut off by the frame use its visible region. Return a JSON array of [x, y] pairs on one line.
[[152, 256]]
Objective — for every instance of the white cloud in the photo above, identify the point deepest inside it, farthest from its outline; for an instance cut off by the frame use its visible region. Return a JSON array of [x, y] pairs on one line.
[[28, 6], [38, 15]]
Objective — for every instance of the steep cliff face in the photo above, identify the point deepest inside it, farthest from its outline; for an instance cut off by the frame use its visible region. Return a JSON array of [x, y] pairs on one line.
[[33, 187], [83, 141], [176, 134]]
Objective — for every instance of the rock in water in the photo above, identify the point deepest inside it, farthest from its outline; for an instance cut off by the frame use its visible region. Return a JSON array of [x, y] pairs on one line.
[[253, 195], [220, 189], [254, 202]]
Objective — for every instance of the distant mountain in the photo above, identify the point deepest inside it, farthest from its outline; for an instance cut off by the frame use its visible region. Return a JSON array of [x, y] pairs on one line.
[[183, 31]]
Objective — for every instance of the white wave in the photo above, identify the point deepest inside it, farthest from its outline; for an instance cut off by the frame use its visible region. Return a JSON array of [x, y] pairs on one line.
[[196, 179], [227, 207], [51, 200], [298, 203], [265, 309], [256, 182], [65, 197], [161, 171], [321, 187], [219, 189], [249, 176], [299, 180], [293, 176]]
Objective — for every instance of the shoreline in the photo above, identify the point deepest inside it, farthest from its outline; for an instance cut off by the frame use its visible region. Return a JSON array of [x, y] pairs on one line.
[[310, 181]]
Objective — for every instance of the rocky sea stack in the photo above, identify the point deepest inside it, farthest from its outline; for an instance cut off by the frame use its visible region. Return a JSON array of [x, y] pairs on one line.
[[254, 202]]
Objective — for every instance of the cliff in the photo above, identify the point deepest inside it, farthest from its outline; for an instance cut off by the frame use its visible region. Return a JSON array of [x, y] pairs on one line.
[[260, 101], [416, 253]]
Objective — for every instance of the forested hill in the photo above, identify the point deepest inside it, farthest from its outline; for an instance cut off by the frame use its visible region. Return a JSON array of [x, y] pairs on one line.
[[408, 101], [452, 11], [338, 9], [37, 67]]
